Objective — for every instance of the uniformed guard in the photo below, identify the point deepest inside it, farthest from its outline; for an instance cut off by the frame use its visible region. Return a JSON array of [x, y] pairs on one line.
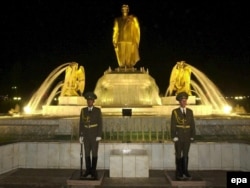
[[90, 131], [182, 133]]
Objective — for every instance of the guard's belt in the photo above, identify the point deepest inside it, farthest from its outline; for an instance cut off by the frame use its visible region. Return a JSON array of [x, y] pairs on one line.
[[90, 126], [183, 126]]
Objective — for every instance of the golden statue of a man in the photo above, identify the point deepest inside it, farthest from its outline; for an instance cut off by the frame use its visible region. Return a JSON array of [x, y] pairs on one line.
[[126, 38], [180, 79]]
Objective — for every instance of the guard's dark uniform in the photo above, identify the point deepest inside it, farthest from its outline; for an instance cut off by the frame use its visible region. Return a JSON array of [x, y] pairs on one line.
[[182, 129], [90, 128]]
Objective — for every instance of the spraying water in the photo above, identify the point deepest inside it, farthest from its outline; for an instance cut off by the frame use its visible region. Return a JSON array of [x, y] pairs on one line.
[[37, 97], [209, 93]]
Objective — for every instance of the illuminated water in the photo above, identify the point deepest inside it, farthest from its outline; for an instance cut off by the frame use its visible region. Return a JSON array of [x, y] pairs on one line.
[[34, 105], [134, 88], [207, 91]]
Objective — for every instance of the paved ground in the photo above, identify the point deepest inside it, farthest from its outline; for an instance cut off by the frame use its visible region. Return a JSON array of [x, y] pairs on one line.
[[61, 178]]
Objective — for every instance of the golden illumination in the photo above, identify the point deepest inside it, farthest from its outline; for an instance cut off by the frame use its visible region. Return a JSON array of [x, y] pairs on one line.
[[17, 98], [27, 110], [227, 109], [238, 97]]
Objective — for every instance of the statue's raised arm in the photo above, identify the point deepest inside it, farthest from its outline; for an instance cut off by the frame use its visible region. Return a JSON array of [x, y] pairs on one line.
[[126, 38]]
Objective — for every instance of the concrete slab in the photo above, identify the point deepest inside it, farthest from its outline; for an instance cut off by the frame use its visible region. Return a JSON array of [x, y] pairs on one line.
[[57, 178], [76, 181], [196, 180]]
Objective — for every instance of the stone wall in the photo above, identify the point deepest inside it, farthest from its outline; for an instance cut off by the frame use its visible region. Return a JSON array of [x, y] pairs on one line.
[[161, 156]]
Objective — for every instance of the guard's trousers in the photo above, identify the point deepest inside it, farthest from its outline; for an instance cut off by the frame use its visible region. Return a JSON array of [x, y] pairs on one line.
[[91, 145], [182, 148]]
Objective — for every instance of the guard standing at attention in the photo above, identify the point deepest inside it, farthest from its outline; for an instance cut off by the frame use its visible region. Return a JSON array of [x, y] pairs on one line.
[[90, 132], [182, 133]]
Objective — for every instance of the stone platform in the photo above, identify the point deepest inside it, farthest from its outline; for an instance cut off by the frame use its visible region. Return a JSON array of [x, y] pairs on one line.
[[57, 178], [76, 181], [196, 181]]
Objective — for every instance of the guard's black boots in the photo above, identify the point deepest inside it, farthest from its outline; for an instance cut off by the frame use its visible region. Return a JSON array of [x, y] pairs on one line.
[[179, 173], [93, 169], [185, 168], [88, 167]]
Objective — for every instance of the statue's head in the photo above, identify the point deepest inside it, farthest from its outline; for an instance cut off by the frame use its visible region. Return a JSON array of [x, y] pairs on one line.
[[125, 8]]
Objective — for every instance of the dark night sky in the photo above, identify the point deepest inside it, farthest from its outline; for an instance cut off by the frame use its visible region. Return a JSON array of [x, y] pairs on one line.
[[39, 35]]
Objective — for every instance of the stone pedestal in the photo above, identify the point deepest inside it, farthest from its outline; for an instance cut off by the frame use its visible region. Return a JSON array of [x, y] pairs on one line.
[[72, 100], [171, 100], [129, 163], [127, 88]]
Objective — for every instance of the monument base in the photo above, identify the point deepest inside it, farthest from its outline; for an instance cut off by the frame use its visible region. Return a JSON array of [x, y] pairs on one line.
[[72, 100], [127, 87]]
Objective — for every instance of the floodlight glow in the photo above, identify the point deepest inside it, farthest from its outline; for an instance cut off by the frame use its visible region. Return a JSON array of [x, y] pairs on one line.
[[27, 109], [17, 98], [227, 109]]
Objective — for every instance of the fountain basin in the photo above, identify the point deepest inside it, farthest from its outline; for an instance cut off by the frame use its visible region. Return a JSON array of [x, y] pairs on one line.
[[129, 163], [74, 110]]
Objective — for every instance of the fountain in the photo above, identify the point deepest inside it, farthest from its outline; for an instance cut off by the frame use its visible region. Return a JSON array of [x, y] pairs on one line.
[[199, 87], [128, 88], [37, 98], [124, 88], [68, 89]]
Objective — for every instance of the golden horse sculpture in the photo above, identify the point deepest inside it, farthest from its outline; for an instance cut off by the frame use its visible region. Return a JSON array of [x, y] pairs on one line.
[[180, 79], [74, 81]]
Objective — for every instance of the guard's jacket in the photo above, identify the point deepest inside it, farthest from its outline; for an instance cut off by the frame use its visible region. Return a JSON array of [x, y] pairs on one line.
[[90, 123], [182, 125]]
